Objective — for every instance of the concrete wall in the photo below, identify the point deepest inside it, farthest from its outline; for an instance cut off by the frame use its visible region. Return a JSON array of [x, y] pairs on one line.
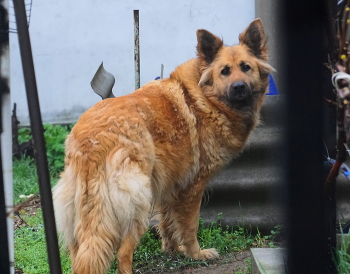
[[268, 11], [70, 39]]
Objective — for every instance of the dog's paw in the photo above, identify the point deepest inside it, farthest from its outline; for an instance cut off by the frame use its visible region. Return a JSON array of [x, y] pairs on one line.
[[208, 254]]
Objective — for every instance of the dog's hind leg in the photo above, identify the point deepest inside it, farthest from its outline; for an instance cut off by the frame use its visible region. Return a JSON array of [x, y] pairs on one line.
[[125, 254], [167, 230], [130, 193], [126, 250]]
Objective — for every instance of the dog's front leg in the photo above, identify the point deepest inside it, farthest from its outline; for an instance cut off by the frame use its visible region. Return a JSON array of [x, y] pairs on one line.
[[186, 214]]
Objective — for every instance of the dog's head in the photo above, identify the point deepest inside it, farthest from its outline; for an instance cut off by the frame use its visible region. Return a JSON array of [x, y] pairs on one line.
[[235, 76]]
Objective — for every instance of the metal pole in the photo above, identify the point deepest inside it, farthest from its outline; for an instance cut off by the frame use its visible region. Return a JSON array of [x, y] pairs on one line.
[[4, 254], [303, 24], [38, 137], [137, 49], [6, 187]]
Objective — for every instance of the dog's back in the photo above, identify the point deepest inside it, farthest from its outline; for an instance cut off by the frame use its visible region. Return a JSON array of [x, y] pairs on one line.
[[104, 196]]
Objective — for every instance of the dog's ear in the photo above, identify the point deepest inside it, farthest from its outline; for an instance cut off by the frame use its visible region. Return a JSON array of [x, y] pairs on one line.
[[254, 38], [208, 45]]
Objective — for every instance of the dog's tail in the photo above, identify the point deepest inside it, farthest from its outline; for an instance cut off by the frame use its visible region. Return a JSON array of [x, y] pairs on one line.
[[83, 220], [97, 206]]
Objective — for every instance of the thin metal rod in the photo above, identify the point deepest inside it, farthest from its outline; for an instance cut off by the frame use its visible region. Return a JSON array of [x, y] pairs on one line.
[[4, 254], [137, 49], [38, 137]]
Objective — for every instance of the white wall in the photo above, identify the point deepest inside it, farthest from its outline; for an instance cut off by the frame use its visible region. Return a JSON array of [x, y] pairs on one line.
[[71, 38]]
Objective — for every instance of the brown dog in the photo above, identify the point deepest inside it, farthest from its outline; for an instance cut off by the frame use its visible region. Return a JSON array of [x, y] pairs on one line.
[[155, 150]]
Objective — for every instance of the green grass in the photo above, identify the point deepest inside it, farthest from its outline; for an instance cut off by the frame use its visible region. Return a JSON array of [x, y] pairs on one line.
[[25, 179], [341, 257], [31, 254], [54, 136], [24, 170], [30, 248], [224, 239], [247, 269]]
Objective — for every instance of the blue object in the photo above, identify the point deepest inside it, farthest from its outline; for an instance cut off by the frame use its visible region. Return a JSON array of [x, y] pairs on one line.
[[157, 78], [272, 87], [343, 168]]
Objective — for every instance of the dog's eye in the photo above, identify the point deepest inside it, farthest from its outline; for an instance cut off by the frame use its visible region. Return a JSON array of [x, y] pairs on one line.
[[225, 71], [245, 68]]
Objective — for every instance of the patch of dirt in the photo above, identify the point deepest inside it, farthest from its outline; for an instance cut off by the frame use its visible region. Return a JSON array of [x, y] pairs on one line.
[[28, 207], [235, 262]]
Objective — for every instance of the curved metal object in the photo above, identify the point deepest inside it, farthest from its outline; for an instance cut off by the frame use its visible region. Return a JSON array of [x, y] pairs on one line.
[[103, 82]]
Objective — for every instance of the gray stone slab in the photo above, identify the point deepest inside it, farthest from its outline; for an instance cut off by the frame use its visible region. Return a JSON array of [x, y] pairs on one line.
[[269, 260]]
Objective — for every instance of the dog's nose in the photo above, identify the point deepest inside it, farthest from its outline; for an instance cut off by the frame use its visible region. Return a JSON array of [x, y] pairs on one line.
[[240, 93], [238, 87]]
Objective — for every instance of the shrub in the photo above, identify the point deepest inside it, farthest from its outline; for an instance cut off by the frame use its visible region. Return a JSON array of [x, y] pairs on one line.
[[54, 135]]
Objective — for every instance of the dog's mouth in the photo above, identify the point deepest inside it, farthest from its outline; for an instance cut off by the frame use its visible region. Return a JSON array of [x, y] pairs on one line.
[[240, 95]]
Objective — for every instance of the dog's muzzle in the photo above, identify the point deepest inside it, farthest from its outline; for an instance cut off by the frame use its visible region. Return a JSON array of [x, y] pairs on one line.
[[240, 94]]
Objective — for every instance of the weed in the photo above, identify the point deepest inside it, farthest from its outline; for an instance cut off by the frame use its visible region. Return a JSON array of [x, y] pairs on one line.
[[247, 269], [277, 232], [260, 241], [268, 240], [54, 139], [341, 256], [24, 135]]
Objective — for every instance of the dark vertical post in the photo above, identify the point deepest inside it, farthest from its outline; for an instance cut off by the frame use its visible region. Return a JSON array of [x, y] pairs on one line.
[[4, 90], [137, 49], [4, 254], [38, 137], [302, 24]]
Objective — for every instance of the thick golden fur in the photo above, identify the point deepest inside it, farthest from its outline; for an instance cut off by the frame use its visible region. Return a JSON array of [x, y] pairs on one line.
[[153, 152]]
